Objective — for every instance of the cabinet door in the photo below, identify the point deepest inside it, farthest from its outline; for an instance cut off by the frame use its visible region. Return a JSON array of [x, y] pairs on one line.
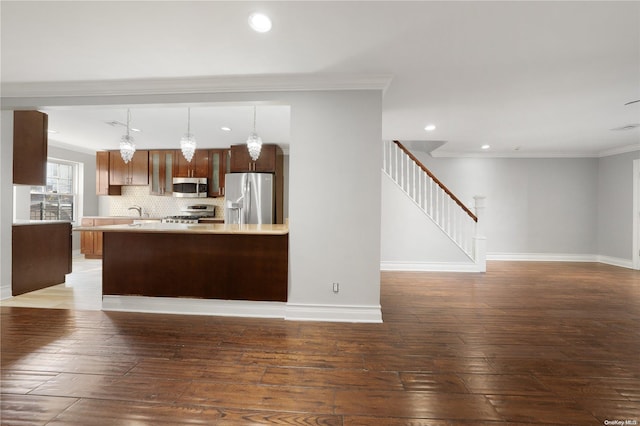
[[201, 166], [87, 238], [139, 168], [136, 172], [102, 175], [182, 168], [161, 171], [30, 148], [218, 159], [267, 160], [198, 167], [241, 160], [118, 170]]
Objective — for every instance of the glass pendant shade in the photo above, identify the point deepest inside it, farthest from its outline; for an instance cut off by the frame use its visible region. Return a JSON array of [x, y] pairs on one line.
[[127, 145], [254, 145], [127, 148], [188, 141], [254, 142], [188, 146]]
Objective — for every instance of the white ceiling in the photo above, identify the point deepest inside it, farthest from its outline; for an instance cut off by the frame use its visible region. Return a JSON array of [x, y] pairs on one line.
[[528, 78]]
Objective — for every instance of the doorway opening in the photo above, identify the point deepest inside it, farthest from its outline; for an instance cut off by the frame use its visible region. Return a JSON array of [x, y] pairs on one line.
[[636, 214]]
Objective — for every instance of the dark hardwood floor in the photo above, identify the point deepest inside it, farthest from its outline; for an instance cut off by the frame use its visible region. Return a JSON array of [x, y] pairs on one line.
[[525, 343]]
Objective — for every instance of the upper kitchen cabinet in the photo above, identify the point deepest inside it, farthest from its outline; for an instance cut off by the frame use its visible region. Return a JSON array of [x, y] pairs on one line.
[[102, 175], [197, 167], [219, 160], [267, 162], [161, 164], [136, 172], [30, 148]]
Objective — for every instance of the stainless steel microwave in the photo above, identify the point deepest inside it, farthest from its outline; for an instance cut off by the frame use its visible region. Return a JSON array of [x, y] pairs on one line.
[[190, 187]]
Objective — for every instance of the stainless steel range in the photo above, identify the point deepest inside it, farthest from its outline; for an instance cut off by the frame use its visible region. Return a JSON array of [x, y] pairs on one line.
[[192, 214]]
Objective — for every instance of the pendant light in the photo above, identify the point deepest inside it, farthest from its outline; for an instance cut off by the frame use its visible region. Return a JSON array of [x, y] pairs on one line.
[[127, 145], [254, 142], [188, 141]]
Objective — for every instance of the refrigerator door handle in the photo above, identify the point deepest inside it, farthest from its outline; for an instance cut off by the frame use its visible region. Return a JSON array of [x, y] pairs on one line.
[[247, 196]]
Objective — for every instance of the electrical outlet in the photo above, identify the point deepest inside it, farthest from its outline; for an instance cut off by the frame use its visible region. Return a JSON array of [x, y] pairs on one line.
[[336, 287]]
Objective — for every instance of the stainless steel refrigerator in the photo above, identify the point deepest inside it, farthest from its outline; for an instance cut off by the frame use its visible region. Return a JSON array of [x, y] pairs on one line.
[[249, 198]]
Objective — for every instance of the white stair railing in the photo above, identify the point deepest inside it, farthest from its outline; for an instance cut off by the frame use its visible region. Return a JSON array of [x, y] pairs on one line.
[[435, 200]]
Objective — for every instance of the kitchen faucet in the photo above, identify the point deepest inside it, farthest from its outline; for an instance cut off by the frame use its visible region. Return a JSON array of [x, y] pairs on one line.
[[137, 208]]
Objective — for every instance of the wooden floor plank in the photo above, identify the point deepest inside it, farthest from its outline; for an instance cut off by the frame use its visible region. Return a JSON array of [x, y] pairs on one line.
[[526, 343], [31, 409], [127, 413]]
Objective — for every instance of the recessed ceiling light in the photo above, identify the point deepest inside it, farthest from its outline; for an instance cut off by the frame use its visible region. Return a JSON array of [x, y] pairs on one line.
[[133, 129], [485, 146], [52, 131], [627, 127], [225, 129], [430, 127], [260, 22]]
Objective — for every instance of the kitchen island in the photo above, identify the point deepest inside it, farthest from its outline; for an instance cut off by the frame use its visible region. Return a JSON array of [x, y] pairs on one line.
[[194, 261]]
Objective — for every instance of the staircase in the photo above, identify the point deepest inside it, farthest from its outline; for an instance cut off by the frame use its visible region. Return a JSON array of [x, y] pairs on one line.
[[436, 201]]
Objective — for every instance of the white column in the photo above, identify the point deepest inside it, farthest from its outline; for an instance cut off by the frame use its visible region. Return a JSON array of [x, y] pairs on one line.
[[479, 239], [6, 206]]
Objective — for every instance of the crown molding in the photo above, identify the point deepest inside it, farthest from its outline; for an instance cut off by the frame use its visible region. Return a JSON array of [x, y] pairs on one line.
[[619, 150], [541, 154], [211, 84], [568, 154]]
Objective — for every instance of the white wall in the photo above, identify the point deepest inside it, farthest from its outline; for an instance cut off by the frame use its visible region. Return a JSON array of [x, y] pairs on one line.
[[410, 240], [534, 206], [547, 208], [615, 205], [334, 201]]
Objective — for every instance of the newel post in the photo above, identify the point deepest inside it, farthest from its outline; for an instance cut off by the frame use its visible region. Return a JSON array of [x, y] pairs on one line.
[[480, 239]]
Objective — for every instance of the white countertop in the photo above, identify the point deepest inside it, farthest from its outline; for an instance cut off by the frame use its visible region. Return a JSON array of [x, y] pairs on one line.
[[196, 228], [38, 222]]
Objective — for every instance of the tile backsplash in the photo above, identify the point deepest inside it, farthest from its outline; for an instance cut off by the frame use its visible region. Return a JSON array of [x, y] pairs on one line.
[[152, 205]]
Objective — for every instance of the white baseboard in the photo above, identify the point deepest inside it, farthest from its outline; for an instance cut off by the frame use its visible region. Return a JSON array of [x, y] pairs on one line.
[[5, 292], [543, 257], [184, 306], [241, 308], [333, 313], [616, 261], [561, 257], [523, 257], [430, 266]]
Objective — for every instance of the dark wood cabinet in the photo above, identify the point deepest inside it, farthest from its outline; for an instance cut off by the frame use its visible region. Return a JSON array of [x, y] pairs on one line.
[[161, 165], [102, 175], [208, 266], [267, 162], [30, 148], [40, 256], [197, 167], [91, 241], [135, 172], [218, 165]]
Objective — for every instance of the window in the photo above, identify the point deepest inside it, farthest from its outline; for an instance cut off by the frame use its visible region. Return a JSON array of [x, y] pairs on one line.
[[58, 199]]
